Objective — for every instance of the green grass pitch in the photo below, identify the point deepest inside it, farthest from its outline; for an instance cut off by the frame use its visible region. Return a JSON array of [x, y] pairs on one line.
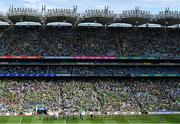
[[158, 119]]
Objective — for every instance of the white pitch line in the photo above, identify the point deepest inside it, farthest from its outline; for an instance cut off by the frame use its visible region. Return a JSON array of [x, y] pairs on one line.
[[64, 121], [20, 120], [128, 121]]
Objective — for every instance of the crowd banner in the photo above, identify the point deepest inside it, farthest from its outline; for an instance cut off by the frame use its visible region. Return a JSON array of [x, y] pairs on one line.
[[163, 113], [94, 113], [34, 75], [155, 75], [96, 57], [21, 57], [82, 75], [91, 57], [58, 57]]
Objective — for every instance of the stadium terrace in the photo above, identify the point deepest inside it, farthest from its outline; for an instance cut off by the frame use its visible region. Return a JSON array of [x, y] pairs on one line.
[[105, 17], [89, 74]]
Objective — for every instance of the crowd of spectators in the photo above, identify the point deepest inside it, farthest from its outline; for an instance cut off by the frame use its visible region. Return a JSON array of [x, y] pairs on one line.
[[92, 95], [89, 70], [83, 41]]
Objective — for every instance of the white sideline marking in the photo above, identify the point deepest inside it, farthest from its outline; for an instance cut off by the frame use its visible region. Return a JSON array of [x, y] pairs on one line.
[[20, 121], [64, 121], [129, 121]]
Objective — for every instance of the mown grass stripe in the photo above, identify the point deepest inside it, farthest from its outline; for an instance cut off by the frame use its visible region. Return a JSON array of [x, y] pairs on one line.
[[152, 119]]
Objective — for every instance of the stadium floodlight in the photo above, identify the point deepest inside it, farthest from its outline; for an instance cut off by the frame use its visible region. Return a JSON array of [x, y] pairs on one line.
[[23, 12], [100, 13], [135, 13], [167, 13], [62, 12]]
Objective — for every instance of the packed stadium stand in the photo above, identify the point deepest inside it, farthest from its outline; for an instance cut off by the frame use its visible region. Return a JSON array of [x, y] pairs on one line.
[[91, 69], [96, 95], [68, 41]]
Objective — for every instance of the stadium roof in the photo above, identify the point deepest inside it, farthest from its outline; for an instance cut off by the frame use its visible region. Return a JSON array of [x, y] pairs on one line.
[[63, 18], [101, 20], [23, 18], [167, 21], [102, 16], [61, 15], [132, 20]]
